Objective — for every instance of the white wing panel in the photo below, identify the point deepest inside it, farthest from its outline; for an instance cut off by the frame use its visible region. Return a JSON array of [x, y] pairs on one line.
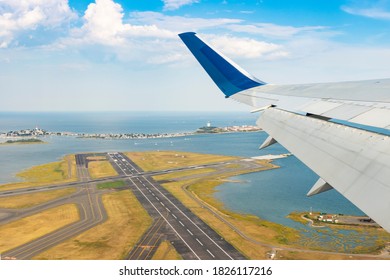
[[375, 117], [320, 107], [355, 162], [371, 90], [347, 111]]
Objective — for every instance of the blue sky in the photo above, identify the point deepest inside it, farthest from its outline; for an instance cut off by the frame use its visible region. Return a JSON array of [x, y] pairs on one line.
[[124, 55]]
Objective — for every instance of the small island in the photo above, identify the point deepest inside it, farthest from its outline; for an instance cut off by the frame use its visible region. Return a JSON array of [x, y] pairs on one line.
[[326, 219], [236, 128], [23, 141]]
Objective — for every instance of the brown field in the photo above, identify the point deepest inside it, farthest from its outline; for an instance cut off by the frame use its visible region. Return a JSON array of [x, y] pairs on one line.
[[112, 240], [29, 200], [166, 252], [150, 161], [100, 169], [29, 228]]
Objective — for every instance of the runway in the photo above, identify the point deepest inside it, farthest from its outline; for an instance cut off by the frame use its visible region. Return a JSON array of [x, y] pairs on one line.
[[190, 236]]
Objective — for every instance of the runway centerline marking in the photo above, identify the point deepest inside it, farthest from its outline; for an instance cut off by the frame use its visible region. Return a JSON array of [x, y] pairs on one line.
[[162, 216], [210, 253]]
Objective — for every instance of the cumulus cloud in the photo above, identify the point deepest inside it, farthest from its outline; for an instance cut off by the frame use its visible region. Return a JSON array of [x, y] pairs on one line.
[[103, 24], [20, 16], [176, 4], [105, 35], [152, 37]]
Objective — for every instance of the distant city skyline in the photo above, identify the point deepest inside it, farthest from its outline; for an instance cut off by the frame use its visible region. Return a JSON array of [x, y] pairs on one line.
[[125, 55]]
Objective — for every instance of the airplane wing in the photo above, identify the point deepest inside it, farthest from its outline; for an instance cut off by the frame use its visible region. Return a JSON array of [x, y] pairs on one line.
[[339, 130]]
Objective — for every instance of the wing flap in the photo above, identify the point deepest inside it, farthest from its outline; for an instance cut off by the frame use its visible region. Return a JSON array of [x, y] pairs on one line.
[[355, 162]]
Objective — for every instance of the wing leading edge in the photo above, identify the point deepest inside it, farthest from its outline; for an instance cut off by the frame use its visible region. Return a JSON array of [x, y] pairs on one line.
[[353, 161]]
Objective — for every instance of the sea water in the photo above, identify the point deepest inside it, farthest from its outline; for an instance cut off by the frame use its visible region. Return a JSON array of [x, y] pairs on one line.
[[271, 194]]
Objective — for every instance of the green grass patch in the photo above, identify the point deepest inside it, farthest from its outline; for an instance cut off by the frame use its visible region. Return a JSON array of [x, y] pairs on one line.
[[111, 185]]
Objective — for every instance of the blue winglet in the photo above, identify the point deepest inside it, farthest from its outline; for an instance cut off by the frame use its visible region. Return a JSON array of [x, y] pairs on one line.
[[228, 77]]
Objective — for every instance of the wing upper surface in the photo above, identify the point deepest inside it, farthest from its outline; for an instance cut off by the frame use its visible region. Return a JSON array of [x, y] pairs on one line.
[[359, 104]]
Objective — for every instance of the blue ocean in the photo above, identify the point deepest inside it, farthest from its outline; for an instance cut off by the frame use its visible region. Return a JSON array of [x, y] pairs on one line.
[[271, 195]]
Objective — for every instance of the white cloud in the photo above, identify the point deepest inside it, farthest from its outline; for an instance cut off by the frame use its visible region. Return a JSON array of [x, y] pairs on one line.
[[29, 15], [176, 4], [105, 34], [274, 30], [103, 24], [246, 47], [375, 13], [180, 23], [371, 9]]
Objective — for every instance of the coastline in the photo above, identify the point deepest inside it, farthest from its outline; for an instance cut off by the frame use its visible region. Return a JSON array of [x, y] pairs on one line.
[[22, 134]]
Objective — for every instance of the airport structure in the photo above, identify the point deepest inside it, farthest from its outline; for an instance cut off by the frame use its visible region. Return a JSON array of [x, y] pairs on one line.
[[192, 238]]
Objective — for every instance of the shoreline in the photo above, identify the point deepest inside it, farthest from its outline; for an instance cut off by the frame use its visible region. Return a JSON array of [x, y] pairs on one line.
[[217, 207]]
